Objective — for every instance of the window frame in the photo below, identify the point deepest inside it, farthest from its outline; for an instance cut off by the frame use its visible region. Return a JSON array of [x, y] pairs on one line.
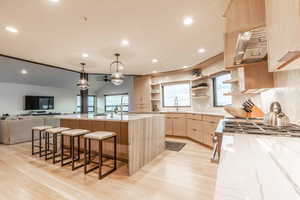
[[117, 94], [215, 90], [175, 83], [94, 107]]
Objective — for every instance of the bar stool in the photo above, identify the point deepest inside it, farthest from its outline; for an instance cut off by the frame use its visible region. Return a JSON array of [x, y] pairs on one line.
[[54, 132], [99, 136], [40, 129], [72, 134]]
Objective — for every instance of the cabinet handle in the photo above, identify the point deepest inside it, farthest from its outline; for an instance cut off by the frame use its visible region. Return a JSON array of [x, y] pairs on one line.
[[194, 129]]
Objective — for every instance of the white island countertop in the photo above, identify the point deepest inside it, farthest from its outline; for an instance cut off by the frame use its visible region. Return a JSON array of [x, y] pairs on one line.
[[116, 117], [256, 167]]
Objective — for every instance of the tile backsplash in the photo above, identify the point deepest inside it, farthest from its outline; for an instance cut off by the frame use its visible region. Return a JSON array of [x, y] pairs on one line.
[[287, 92]]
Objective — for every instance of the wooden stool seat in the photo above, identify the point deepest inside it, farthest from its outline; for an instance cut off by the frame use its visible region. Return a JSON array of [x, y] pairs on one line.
[[57, 130], [41, 128], [100, 135], [75, 132]]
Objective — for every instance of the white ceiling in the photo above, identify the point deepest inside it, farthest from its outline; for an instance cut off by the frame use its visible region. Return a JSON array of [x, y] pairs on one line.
[[57, 34], [10, 72]]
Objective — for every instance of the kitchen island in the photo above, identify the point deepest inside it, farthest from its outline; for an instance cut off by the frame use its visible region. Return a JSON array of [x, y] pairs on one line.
[[258, 167], [140, 137]]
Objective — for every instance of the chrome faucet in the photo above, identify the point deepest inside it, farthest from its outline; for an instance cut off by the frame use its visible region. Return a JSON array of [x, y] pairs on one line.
[[176, 104]]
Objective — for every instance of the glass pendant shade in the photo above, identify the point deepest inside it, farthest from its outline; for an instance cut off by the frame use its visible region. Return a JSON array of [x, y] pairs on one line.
[[117, 77], [83, 84]]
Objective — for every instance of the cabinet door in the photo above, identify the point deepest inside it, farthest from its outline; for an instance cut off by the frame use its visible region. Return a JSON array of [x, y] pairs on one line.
[[169, 126], [189, 127], [179, 127], [142, 94], [283, 25]]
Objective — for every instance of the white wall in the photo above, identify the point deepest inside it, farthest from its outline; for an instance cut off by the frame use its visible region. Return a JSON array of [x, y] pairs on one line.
[[12, 97], [109, 88]]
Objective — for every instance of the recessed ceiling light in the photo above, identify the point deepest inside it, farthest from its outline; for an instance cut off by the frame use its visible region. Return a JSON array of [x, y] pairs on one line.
[[55, 1], [202, 50], [85, 55], [125, 42], [184, 67], [188, 21], [154, 60], [24, 71], [11, 29], [154, 71]]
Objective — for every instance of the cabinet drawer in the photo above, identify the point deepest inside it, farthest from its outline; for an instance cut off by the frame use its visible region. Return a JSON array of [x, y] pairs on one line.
[[210, 118], [194, 116], [176, 115]]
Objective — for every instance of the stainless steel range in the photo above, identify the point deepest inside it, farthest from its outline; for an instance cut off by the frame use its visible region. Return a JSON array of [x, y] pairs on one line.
[[260, 128], [256, 126]]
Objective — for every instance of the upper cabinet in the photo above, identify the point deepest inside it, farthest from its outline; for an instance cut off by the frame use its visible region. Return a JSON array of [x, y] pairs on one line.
[[283, 33], [142, 94], [244, 15]]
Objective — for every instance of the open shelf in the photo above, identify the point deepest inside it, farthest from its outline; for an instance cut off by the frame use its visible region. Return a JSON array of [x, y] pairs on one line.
[[200, 78], [232, 94], [200, 88], [231, 81], [200, 97]]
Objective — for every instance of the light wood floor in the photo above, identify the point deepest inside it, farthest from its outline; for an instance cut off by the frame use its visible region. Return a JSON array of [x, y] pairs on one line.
[[184, 175]]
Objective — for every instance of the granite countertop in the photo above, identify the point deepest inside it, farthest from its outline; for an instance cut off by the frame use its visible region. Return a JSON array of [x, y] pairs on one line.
[[116, 117], [258, 167]]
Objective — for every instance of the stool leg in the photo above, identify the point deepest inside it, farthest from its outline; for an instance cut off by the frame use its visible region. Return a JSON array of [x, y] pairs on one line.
[[115, 152], [85, 160], [62, 150], [54, 149], [72, 151], [78, 146], [46, 144], [89, 150], [100, 159], [32, 142], [40, 143]]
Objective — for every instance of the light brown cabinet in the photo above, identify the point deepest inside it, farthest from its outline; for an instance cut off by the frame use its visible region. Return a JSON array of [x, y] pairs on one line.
[[142, 94], [283, 30], [175, 125], [243, 15], [255, 76]]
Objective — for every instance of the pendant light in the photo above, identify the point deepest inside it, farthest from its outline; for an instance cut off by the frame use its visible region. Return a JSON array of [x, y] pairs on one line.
[[117, 77], [83, 83]]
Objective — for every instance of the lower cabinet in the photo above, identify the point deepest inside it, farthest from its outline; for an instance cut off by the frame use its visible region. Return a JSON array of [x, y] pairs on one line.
[[175, 125], [201, 129]]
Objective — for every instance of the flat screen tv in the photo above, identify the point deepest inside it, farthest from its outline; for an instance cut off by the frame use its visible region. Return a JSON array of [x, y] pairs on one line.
[[39, 102]]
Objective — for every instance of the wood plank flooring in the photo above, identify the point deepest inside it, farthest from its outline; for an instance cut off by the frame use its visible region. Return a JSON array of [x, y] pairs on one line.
[[184, 175]]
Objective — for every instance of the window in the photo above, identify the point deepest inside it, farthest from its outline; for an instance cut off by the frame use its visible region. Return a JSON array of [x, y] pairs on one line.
[[91, 103], [112, 101], [220, 89], [177, 94]]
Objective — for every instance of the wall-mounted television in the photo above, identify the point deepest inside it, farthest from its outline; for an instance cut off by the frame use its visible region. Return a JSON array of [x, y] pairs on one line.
[[39, 102]]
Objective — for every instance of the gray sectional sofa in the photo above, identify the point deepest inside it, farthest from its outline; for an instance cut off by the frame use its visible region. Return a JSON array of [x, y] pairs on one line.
[[18, 131]]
